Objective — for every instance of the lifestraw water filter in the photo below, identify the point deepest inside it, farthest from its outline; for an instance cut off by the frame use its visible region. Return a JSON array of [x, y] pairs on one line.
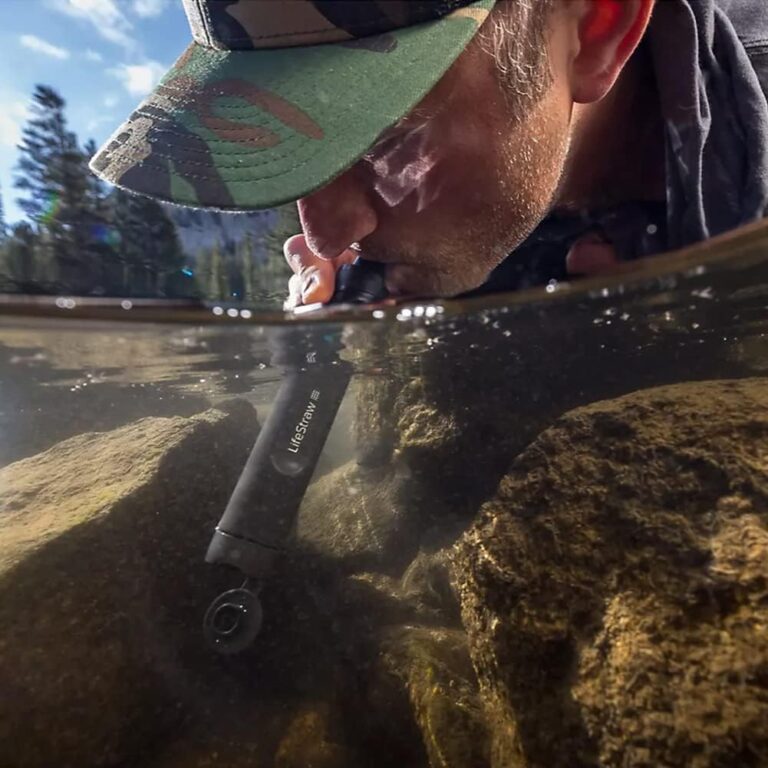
[[263, 507]]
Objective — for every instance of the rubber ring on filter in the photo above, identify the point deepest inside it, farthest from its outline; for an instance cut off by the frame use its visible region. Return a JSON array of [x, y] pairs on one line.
[[232, 621]]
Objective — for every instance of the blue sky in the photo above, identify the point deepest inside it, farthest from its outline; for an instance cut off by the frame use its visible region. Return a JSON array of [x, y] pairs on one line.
[[103, 56]]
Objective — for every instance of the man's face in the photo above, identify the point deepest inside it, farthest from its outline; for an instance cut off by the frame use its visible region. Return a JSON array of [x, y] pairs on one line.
[[445, 195]]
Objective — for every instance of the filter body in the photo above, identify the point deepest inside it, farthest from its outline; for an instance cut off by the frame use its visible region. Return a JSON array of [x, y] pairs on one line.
[[264, 504]]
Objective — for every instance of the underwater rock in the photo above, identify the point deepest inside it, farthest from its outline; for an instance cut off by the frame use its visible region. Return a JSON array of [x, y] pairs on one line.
[[420, 697], [374, 602], [374, 421], [615, 592], [264, 737], [215, 748], [423, 429], [353, 517], [307, 742], [427, 585], [716, 711], [432, 665], [103, 584], [375, 389]]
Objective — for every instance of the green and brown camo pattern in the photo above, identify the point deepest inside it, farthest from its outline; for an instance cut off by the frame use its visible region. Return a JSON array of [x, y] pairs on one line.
[[214, 106], [251, 24]]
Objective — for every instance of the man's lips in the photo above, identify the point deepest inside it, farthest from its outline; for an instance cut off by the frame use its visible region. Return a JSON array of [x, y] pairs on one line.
[[314, 277]]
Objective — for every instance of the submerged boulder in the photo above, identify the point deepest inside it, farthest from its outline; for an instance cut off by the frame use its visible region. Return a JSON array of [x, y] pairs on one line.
[[354, 517], [614, 595], [308, 742], [615, 592], [434, 667], [421, 698], [103, 584]]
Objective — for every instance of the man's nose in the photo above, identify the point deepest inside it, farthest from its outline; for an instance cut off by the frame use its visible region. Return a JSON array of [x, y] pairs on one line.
[[338, 215]]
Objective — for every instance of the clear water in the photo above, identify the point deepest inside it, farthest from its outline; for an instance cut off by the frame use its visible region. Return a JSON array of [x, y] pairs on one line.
[[400, 627]]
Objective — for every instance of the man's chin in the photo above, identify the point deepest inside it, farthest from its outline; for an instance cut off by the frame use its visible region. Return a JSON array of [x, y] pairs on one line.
[[413, 280]]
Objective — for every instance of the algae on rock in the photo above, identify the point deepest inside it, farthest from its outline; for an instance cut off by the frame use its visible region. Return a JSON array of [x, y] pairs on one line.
[[103, 585], [615, 592], [103, 582], [434, 666], [353, 516]]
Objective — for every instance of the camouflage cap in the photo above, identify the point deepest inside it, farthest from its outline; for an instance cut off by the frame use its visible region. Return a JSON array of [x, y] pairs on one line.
[[274, 98]]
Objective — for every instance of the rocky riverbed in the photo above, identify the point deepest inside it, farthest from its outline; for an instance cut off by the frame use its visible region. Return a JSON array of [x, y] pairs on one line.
[[615, 592], [607, 607]]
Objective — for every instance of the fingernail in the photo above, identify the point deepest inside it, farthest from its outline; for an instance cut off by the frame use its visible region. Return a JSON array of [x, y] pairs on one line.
[[308, 284]]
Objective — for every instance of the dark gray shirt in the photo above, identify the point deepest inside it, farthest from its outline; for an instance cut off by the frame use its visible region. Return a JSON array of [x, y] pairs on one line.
[[711, 63]]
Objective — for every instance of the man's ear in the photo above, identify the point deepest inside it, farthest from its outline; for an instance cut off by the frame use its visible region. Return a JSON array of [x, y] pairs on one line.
[[608, 33]]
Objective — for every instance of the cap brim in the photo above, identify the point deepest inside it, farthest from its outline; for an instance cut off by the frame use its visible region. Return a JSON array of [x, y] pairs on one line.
[[242, 130]]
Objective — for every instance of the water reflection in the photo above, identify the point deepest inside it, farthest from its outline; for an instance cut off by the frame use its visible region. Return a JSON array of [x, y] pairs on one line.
[[536, 536]]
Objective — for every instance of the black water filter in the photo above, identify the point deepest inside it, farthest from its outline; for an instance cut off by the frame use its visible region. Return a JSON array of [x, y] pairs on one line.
[[262, 509]]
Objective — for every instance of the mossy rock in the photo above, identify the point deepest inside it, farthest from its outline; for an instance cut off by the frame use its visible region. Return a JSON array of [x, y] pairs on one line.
[[103, 584], [353, 517], [615, 591]]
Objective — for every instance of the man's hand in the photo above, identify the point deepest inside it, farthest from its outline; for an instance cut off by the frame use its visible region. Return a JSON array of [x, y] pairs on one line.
[[314, 278]]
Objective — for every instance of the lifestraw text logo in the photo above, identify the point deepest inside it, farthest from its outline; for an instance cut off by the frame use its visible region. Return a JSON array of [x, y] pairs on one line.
[[300, 431]]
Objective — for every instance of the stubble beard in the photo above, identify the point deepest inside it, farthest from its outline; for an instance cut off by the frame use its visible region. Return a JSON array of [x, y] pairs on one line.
[[533, 157]]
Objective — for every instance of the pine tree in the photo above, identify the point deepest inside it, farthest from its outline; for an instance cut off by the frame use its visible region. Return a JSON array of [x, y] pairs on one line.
[[211, 274], [53, 176], [166, 256], [3, 225], [147, 246], [275, 268], [19, 269], [100, 237], [248, 269], [217, 280], [202, 272], [127, 226]]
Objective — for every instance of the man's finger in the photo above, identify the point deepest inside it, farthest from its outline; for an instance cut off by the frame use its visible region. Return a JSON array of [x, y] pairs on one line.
[[298, 254], [294, 293], [316, 276]]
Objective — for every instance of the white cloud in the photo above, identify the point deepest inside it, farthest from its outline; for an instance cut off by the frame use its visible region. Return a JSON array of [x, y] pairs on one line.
[[110, 100], [99, 121], [92, 55], [139, 79], [148, 8], [41, 46], [105, 16], [13, 114]]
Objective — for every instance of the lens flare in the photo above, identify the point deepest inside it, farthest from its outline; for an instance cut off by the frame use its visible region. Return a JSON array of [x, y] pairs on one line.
[[52, 207], [402, 163], [102, 233]]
